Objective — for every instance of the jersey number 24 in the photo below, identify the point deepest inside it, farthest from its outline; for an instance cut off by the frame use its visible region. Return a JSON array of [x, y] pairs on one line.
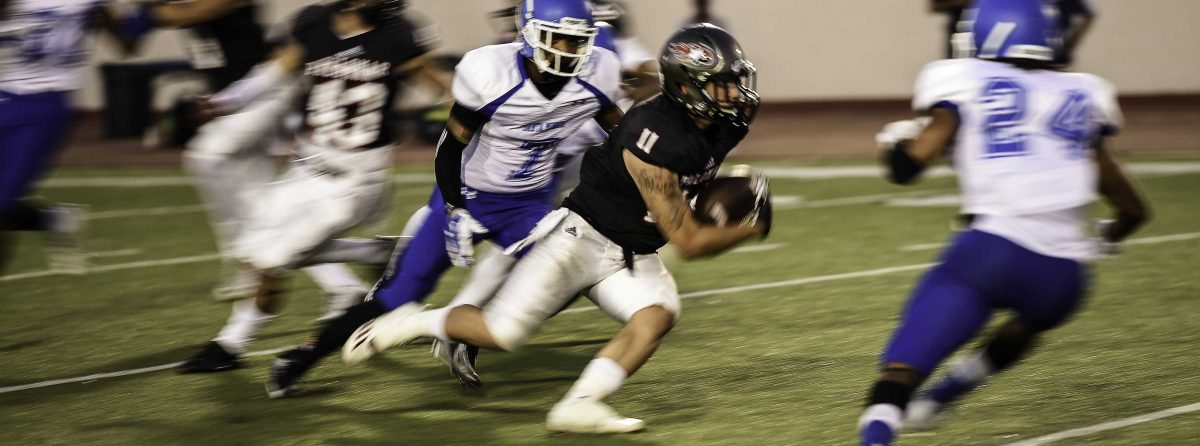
[[1005, 104]]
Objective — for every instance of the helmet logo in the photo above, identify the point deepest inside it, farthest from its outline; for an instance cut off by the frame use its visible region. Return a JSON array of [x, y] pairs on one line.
[[693, 54]]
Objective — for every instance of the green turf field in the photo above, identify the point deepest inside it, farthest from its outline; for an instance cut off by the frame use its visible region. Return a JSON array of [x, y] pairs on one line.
[[780, 363]]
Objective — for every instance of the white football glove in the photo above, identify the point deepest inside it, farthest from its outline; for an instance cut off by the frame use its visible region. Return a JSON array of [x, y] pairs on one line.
[[897, 131], [1104, 247], [460, 232]]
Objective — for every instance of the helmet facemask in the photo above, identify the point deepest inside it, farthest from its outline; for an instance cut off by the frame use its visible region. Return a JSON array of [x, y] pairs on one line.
[[729, 97], [576, 36]]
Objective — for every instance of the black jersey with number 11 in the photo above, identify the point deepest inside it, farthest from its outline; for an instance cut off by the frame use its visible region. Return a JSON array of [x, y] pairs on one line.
[[659, 132], [353, 78]]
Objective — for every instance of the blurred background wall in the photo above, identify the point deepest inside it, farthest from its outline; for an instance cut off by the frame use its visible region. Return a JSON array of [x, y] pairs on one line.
[[828, 50]]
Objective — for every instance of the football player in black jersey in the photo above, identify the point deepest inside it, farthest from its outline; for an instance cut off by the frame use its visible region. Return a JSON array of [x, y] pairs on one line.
[[351, 54], [630, 203]]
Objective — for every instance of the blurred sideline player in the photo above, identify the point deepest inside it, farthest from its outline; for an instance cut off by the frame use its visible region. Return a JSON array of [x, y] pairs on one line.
[[515, 103], [604, 242], [1027, 143], [351, 53], [233, 157], [43, 45]]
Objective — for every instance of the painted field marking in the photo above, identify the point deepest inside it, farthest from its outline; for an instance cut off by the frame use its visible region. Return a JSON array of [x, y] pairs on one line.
[[141, 212], [757, 248], [796, 173], [118, 266], [1133, 241], [692, 295], [117, 253], [1115, 424]]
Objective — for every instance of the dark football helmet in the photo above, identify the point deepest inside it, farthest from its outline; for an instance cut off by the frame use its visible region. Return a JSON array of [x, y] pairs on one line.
[[704, 70]]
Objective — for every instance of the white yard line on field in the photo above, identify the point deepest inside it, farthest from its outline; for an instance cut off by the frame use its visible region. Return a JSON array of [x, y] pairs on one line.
[[140, 212], [757, 248], [1134, 241], [117, 253], [1115, 424], [692, 295], [401, 178], [119, 374], [117, 267], [797, 173]]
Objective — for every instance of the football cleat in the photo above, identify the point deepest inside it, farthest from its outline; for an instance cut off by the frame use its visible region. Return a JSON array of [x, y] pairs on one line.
[[460, 358], [340, 301], [923, 415], [394, 328], [66, 237], [587, 416], [287, 369], [213, 358]]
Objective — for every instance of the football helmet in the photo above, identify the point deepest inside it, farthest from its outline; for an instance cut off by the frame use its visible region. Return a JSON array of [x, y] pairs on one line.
[[542, 22], [1012, 29], [704, 70], [606, 36]]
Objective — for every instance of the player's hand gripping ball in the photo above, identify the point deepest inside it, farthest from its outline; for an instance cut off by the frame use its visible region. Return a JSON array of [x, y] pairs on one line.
[[742, 197]]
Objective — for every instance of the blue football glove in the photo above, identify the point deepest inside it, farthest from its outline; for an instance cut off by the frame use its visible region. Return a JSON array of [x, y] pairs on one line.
[[460, 232]]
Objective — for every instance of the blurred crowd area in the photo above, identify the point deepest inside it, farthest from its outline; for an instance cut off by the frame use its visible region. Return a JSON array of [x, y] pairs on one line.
[[824, 92]]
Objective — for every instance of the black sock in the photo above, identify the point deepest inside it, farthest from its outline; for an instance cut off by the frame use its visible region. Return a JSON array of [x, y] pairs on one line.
[[23, 216], [336, 332], [890, 392], [1005, 351]]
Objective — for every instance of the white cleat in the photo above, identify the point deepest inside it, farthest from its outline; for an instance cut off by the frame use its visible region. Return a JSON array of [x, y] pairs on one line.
[[66, 238], [923, 415], [395, 328], [584, 416]]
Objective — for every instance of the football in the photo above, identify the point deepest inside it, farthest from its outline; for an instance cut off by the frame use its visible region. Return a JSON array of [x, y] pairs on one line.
[[727, 200]]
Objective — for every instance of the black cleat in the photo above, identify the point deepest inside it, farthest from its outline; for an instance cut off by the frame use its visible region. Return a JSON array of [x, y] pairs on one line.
[[213, 358], [287, 369]]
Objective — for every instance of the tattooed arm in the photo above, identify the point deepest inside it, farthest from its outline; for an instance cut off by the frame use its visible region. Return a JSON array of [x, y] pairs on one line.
[[660, 190]]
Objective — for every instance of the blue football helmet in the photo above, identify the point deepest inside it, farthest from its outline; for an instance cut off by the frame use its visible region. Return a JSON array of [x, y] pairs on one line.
[[1013, 29], [606, 37], [542, 22]]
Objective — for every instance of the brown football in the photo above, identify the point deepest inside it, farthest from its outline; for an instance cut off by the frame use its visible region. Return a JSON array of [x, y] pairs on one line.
[[725, 201]]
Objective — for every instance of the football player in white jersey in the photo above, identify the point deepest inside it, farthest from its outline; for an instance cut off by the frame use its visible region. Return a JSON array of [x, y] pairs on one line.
[[1027, 144], [350, 54], [514, 105], [630, 202], [43, 46]]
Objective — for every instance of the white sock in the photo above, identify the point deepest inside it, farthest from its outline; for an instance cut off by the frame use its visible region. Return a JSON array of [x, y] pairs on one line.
[[974, 368], [334, 277], [889, 414], [599, 379], [244, 322], [435, 322]]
